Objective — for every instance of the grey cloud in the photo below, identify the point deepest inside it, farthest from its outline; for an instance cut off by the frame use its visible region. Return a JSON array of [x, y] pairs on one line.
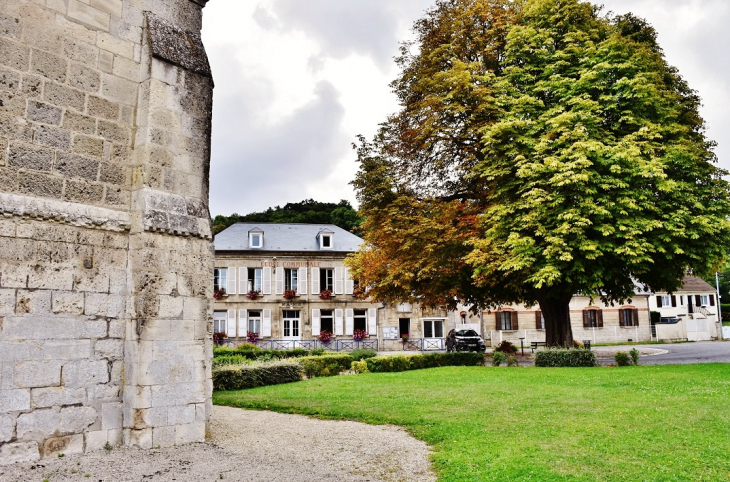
[[257, 165], [367, 27]]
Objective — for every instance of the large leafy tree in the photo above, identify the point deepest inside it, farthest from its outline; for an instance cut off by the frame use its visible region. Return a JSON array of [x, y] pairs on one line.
[[542, 149]]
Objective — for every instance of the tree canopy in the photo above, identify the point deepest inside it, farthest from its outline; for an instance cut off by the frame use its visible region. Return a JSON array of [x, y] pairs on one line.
[[542, 149], [308, 211]]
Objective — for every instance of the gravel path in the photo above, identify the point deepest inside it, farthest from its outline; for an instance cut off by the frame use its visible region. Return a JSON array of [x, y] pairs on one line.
[[253, 446]]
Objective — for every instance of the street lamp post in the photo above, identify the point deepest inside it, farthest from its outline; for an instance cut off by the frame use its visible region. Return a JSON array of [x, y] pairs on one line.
[[719, 302]]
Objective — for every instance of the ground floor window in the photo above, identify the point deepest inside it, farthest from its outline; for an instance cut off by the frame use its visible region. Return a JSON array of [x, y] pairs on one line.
[[592, 318], [404, 326], [254, 321], [539, 320], [433, 328], [628, 317], [704, 300], [361, 320], [507, 320], [326, 321], [290, 320], [219, 321]]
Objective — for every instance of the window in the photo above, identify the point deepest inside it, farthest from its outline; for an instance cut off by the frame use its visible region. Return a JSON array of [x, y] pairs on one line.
[[403, 307], [361, 320], [507, 320], [628, 317], [219, 321], [254, 321], [326, 321], [220, 279], [254, 279], [290, 279], [704, 300], [326, 279], [681, 300], [539, 320], [291, 324], [255, 239], [592, 318], [404, 326], [433, 328], [666, 301], [326, 241]]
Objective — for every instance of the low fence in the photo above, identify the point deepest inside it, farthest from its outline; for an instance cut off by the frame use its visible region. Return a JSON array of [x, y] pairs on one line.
[[333, 345]]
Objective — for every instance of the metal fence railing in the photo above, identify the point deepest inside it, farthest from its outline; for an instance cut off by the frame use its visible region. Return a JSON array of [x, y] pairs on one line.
[[333, 345]]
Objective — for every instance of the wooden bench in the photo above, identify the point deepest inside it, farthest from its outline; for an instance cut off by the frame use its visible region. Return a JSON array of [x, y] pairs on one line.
[[535, 344]]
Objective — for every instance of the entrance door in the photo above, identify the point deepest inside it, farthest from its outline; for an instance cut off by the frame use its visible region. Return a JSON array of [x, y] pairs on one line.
[[291, 324], [433, 334]]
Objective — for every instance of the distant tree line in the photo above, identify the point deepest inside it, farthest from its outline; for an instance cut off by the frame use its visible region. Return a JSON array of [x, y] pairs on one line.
[[310, 211]]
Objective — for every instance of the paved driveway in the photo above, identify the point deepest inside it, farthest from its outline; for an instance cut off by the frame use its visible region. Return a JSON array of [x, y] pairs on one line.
[[684, 353]]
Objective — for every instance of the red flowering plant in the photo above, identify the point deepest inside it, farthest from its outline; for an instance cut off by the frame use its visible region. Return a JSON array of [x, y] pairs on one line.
[[326, 294], [219, 293], [405, 337], [359, 334], [325, 336], [252, 295], [290, 294], [219, 338], [252, 337]]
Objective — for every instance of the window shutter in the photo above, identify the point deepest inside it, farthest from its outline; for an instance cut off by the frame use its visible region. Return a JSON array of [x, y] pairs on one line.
[[635, 315], [349, 282], [712, 300], [242, 324], [622, 317], [279, 281], [266, 281], [338, 322], [243, 280], [515, 324], [316, 323], [231, 327], [349, 321], [266, 323], [674, 301], [339, 289], [315, 281], [302, 281], [538, 320], [659, 301], [372, 321], [498, 320], [599, 318], [586, 320], [231, 288], [698, 300]]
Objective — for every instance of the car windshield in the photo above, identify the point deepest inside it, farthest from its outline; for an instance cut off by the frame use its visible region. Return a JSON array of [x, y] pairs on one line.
[[466, 333]]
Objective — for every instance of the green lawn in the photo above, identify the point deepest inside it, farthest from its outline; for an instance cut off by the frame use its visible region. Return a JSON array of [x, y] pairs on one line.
[[633, 423]]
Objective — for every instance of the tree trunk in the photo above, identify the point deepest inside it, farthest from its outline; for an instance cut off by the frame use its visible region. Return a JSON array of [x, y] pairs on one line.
[[556, 310]]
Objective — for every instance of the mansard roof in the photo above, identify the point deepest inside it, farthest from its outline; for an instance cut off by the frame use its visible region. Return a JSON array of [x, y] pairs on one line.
[[286, 237]]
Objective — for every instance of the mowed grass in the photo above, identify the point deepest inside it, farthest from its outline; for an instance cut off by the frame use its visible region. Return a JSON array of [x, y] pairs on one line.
[[484, 423]]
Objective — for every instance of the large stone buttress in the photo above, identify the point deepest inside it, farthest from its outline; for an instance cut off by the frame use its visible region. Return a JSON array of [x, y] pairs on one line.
[[105, 236]]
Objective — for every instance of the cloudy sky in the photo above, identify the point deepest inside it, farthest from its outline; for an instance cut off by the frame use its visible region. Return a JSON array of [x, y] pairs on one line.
[[297, 80]]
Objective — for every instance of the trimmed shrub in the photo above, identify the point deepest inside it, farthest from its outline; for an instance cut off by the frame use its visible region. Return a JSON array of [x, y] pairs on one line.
[[396, 363], [634, 353], [317, 352], [622, 359], [359, 366], [224, 351], [324, 366], [561, 357], [363, 353], [497, 358], [506, 347], [220, 361], [399, 363], [238, 377], [512, 361]]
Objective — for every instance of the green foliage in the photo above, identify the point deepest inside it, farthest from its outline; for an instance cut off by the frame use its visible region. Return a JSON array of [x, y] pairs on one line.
[[252, 352], [562, 357], [622, 359], [362, 353], [360, 366], [324, 366], [308, 211], [635, 355], [562, 425], [512, 361], [222, 360], [317, 352], [542, 149], [400, 363], [498, 358], [237, 377]]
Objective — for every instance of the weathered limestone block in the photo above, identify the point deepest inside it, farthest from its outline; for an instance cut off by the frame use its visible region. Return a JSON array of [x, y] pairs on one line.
[[57, 396], [13, 453]]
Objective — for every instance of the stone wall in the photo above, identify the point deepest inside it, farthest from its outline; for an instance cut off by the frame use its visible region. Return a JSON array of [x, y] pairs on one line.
[[105, 240]]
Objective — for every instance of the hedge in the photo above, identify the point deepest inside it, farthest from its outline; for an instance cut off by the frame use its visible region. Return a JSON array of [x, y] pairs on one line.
[[325, 366], [230, 360], [399, 363], [238, 377], [561, 357], [254, 353]]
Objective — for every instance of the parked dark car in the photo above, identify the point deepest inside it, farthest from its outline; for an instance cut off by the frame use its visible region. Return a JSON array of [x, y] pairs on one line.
[[469, 340]]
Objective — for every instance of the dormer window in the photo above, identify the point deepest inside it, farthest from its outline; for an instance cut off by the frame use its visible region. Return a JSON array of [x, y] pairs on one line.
[[325, 240], [255, 239]]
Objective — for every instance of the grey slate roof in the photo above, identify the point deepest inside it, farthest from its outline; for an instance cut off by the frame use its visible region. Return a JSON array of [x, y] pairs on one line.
[[286, 237]]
